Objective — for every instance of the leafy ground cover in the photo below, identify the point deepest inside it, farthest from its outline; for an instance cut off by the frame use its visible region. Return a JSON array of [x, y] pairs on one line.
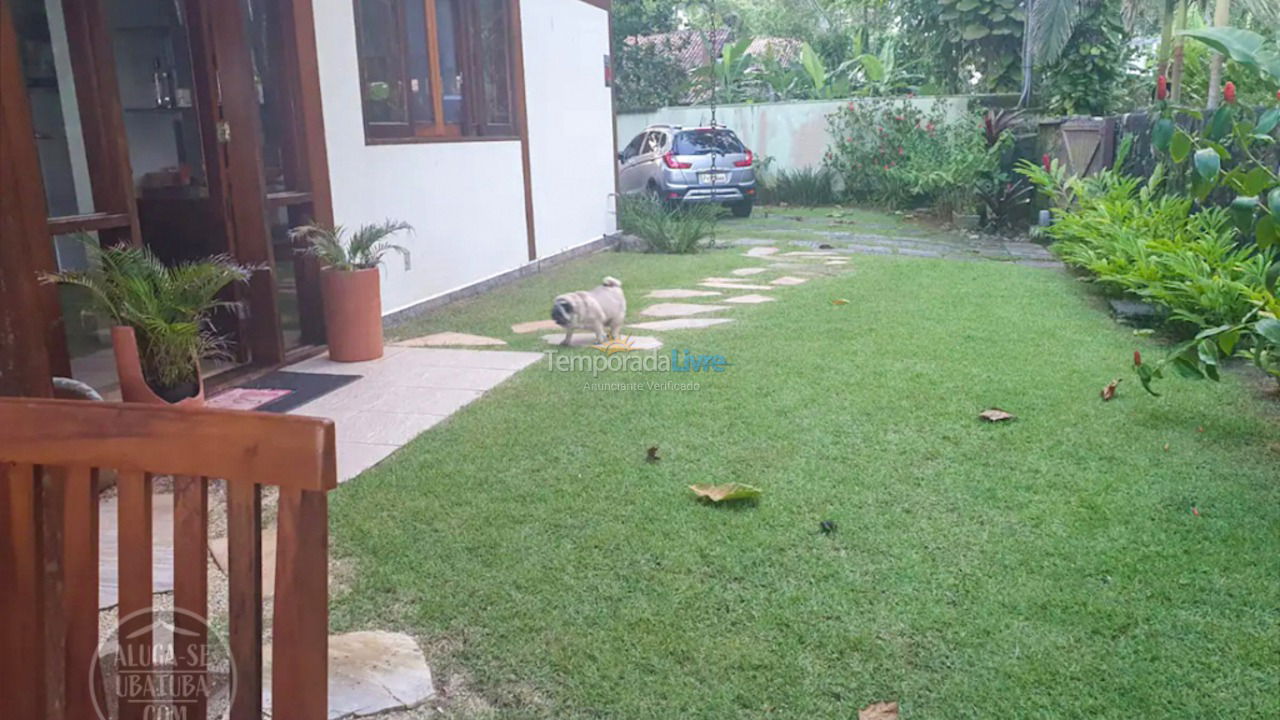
[[1087, 559]]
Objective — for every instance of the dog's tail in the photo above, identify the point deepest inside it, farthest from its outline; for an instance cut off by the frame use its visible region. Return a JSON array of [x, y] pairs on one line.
[[611, 282]]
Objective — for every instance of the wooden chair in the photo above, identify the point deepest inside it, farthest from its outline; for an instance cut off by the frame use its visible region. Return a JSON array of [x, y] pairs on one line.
[[50, 451]]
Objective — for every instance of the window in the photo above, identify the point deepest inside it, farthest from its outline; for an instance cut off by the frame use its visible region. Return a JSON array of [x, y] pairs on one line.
[[633, 147], [435, 68], [706, 142], [654, 143]]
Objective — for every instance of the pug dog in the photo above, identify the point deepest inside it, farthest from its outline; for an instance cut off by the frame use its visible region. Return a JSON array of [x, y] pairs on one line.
[[595, 310]]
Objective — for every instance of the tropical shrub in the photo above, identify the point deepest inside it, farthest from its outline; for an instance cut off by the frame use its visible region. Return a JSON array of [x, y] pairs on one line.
[[672, 230], [1088, 76], [359, 250], [807, 187], [168, 307]]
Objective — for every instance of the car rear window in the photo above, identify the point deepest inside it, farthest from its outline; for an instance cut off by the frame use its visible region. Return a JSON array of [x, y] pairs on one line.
[[705, 142]]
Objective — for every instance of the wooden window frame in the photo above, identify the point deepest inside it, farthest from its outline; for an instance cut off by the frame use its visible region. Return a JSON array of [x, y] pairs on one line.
[[473, 128]]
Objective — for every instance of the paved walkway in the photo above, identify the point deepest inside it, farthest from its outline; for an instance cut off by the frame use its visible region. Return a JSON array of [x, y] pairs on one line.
[[401, 395]]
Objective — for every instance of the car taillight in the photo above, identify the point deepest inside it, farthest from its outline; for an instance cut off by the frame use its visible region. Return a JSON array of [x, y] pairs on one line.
[[670, 160], [745, 163]]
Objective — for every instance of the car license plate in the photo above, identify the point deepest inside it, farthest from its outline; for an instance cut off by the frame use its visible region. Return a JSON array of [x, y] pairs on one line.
[[715, 178]]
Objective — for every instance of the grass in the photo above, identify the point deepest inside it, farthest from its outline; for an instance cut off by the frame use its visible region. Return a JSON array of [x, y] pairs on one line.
[[1049, 567]]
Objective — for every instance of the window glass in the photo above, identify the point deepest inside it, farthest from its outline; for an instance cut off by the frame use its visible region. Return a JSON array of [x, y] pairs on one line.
[[46, 68], [419, 62], [382, 58], [652, 142], [450, 68], [706, 142], [633, 147], [494, 43]]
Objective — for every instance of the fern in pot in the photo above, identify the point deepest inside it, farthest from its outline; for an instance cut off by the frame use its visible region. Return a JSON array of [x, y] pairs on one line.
[[160, 316], [350, 284]]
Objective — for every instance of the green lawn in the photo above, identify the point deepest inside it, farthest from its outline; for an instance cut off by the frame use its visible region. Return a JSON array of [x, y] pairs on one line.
[[1049, 567]]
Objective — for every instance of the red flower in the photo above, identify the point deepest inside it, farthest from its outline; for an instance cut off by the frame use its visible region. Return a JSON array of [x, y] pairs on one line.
[[1046, 162], [1229, 92], [899, 118], [1278, 94], [1162, 87], [1137, 358], [929, 127], [899, 151]]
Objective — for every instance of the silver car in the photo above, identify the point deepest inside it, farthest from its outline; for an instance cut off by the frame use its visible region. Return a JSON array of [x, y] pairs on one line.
[[690, 165]]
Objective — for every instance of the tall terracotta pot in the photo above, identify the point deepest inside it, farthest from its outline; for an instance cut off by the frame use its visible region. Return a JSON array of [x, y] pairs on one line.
[[352, 313], [133, 386]]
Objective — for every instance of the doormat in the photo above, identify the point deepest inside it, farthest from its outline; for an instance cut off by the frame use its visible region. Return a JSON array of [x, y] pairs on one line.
[[280, 391]]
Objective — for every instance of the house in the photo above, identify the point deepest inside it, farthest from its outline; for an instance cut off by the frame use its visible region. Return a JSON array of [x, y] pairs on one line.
[[212, 126]]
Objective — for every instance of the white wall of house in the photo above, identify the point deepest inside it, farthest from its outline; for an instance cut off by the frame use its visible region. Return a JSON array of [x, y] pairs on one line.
[[794, 133], [570, 122], [466, 199]]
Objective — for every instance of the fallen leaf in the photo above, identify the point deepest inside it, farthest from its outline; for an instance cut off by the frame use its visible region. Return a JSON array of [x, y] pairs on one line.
[[1195, 511], [995, 415], [1200, 429], [879, 711], [728, 491], [839, 301], [826, 246], [827, 526], [653, 455], [1109, 391], [1166, 447]]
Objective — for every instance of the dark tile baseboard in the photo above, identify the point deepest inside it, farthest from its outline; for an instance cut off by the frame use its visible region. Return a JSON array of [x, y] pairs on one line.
[[605, 242]]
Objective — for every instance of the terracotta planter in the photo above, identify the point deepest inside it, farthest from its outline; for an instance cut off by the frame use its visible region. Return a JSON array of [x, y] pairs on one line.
[[352, 314], [133, 386]]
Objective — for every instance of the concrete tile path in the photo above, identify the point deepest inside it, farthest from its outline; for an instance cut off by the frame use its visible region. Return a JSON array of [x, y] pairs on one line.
[[402, 394]]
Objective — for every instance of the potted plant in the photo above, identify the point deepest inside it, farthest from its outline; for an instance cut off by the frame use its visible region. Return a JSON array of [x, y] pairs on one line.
[[160, 315], [350, 285]]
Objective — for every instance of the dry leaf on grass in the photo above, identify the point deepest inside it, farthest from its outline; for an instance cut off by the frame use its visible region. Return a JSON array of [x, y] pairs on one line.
[[839, 301], [1109, 391], [995, 415], [879, 711], [653, 455], [728, 491]]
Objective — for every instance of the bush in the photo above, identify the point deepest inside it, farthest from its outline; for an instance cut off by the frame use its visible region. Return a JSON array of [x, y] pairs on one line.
[[894, 154], [808, 187], [679, 230]]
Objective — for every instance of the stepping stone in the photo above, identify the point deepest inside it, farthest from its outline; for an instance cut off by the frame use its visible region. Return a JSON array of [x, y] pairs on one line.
[[369, 673], [747, 271], [533, 326], [790, 280], [809, 253], [750, 299], [735, 286], [109, 548], [585, 339], [722, 279], [681, 323], [760, 251], [836, 262], [218, 549], [444, 339], [677, 293], [679, 309]]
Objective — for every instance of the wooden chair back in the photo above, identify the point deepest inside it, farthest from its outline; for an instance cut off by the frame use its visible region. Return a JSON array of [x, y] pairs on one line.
[[50, 455]]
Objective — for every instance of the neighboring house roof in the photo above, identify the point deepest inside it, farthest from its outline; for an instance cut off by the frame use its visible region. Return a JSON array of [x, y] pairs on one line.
[[694, 48]]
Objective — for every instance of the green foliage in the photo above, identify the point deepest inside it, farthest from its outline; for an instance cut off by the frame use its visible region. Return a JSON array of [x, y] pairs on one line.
[[1136, 238], [647, 77], [672, 230], [360, 250], [970, 43], [1244, 46], [1087, 75], [806, 187], [168, 307], [895, 154]]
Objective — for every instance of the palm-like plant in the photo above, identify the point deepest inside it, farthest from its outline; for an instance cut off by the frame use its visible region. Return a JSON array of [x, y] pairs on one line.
[[359, 250], [168, 307]]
